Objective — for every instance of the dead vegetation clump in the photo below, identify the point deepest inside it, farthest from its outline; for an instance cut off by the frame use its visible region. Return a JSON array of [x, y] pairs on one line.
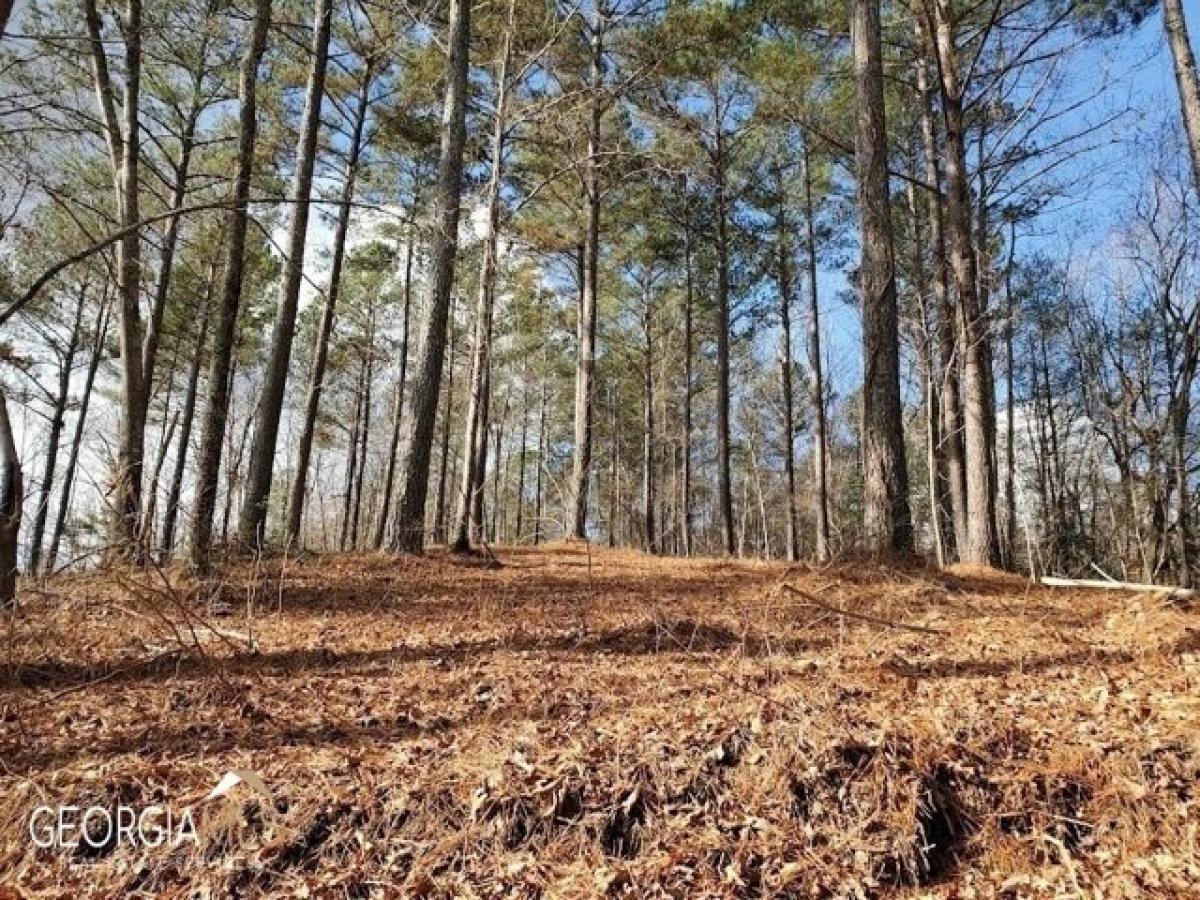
[[606, 724]]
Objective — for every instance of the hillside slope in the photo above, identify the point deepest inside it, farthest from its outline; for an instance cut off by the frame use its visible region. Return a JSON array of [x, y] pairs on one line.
[[577, 724]]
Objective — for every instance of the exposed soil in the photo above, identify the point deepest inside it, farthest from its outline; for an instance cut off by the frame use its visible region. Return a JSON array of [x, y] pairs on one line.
[[580, 724]]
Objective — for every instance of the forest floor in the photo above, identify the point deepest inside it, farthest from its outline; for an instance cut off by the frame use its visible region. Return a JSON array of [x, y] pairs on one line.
[[575, 723]]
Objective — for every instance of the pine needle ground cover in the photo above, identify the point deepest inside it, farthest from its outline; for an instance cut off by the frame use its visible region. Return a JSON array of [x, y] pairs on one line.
[[586, 723]]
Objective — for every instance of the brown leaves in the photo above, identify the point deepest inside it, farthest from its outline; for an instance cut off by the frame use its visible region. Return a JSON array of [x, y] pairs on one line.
[[452, 730]]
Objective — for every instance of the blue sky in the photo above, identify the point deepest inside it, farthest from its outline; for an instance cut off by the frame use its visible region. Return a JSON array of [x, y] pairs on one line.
[[1097, 187]]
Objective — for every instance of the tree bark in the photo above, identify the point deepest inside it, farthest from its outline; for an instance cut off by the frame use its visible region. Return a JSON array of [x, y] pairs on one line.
[[130, 457], [352, 459], [124, 141], [933, 439], [613, 463], [981, 546], [316, 383], [816, 373], [688, 339], [364, 431], [389, 477], [887, 524], [523, 452], [54, 436], [983, 274], [1186, 79], [252, 526], [924, 339], [1180, 413], [950, 448], [175, 491], [1010, 462], [585, 365], [170, 421], [724, 477], [784, 263], [495, 529], [1182, 498], [440, 513], [468, 518], [414, 481], [12, 492], [756, 472], [543, 438], [217, 411], [150, 507], [238, 438], [648, 429]]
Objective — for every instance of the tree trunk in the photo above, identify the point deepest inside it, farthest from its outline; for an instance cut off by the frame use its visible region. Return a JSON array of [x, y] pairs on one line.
[[124, 141], [364, 431], [130, 456], [175, 492], [1183, 500], [468, 518], [983, 274], [816, 374], [389, 477], [12, 492], [972, 328], [233, 471], [523, 452], [950, 448], [648, 430], [414, 472], [1180, 414], [612, 466], [54, 436], [494, 530], [784, 262], [316, 383], [166, 262], [68, 479], [344, 538], [671, 515], [217, 411], [688, 305], [1010, 463], [924, 339], [741, 533], [150, 507], [756, 471], [932, 440], [887, 524], [1185, 78], [724, 479], [252, 526], [585, 366], [440, 513], [477, 459], [543, 438], [170, 421]]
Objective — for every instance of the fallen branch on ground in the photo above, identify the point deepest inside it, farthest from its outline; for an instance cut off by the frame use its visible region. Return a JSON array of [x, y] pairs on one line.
[[1058, 581], [863, 617]]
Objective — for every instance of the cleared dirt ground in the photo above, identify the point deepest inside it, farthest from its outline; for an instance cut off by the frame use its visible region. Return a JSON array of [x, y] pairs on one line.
[[579, 724]]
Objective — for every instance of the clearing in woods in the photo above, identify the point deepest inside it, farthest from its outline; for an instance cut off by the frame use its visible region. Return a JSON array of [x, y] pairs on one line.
[[575, 724]]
